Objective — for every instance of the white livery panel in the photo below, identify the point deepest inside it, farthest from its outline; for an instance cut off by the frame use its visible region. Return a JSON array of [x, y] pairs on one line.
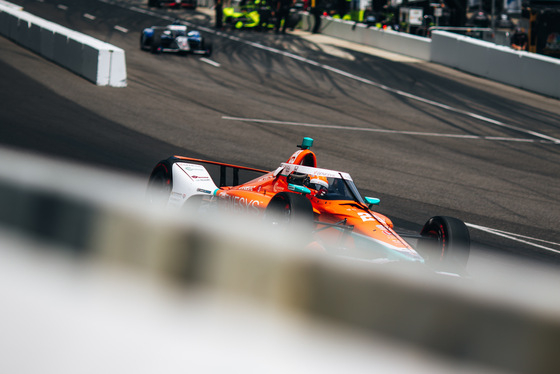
[[189, 180]]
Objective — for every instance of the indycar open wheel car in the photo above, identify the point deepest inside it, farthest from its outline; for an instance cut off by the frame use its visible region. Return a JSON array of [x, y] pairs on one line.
[[325, 202], [175, 38]]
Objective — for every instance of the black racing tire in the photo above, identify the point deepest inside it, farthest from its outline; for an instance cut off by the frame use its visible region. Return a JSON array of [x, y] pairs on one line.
[[156, 44], [445, 244], [145, 42], [160, 184], [153, 3], [290, 212], [208, 47]]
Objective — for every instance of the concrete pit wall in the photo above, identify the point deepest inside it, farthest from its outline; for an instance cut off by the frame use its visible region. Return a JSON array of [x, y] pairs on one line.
[[99, 62], [529, 71]]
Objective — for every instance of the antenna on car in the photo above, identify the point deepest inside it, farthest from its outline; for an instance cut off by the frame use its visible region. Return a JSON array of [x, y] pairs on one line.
[[306, 143]]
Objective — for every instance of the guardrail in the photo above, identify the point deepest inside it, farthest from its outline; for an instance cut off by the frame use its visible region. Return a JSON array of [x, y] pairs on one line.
[[529, 71], [98, 62], [433, 322]]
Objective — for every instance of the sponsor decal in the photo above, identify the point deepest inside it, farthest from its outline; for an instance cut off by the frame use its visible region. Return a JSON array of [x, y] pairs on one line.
[[294, 157], [191, 167], [203, 191], [240, 204], [175, 197], [196, 172], [288, 169], [199, 178], [265, 178], [386, 232]]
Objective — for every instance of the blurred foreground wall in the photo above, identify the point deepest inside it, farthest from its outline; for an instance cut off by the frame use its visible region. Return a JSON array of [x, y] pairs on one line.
[[93, 280]]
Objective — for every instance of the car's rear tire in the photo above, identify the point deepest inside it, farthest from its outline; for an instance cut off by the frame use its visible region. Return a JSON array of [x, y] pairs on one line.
[[208, 47], [160, 184], [445, 244]]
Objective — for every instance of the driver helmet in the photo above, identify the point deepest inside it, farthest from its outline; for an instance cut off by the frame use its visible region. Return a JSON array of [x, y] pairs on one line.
[[319, 183], [167, 32]]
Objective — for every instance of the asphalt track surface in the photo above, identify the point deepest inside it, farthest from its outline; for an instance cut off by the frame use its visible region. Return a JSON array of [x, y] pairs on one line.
[[427, 140]]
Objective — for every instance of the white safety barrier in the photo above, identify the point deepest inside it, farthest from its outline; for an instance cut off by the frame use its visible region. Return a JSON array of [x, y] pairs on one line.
[[390, 40], [99, 62], [521, 69], [365, 317], [530, 71]]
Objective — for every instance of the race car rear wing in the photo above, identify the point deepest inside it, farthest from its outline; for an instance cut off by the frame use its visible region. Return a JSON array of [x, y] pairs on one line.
[[226, 174]]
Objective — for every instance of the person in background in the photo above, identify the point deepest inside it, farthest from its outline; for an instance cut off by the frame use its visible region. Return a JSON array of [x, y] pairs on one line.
[[519, 40], [370, 18], [282, 13], [219, 14], [265, 13], [316, 11]]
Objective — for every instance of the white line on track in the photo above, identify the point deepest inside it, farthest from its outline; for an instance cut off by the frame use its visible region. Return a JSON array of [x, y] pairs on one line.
[[358, 78], [351, 128], [518, 238], [121, 29], [62, 7], [89, 16], [210, 62], [389, 89]]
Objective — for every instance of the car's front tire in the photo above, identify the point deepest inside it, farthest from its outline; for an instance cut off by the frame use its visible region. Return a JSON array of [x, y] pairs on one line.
[[445, 244], [145, 42], [155, 46], [290, 212]]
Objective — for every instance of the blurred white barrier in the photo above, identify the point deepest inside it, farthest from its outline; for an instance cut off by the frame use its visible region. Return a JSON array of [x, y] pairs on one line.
[[120, 285], [530, 71], [99, 62]]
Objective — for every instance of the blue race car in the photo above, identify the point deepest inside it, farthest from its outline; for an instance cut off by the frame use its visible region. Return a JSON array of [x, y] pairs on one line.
[[174, 38]]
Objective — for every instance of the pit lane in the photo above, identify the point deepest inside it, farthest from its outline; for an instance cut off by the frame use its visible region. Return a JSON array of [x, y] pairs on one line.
[[176, 106]]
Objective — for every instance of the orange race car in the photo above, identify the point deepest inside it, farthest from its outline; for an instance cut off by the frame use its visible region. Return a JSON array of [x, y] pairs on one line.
[[325, 202]]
